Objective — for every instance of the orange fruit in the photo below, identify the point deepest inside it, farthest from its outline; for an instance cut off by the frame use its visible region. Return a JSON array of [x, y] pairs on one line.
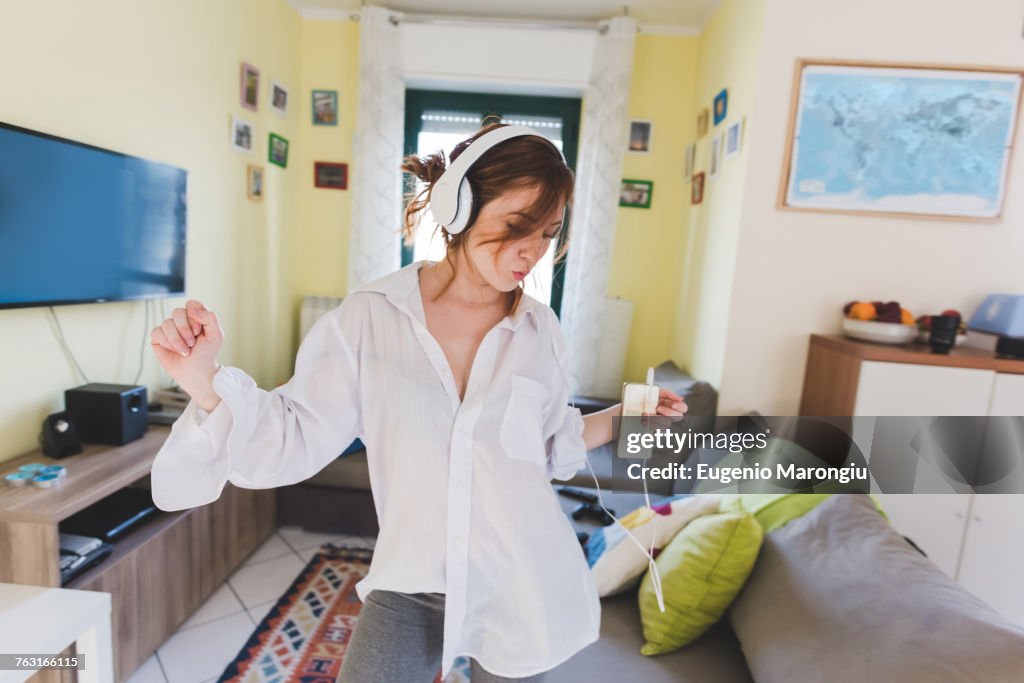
[[907, 318], [862, 310]]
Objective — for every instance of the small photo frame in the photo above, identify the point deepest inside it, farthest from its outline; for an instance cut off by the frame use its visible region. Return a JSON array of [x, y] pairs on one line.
[[254, 182], [636, 193], [278, 154], [716, 156], [689, 163], [702, 122], [733, 139], [250, 86], [325, 107], [721, 106], [279, 98], [640, 132], [330, 175], [697, 188], [242, 135]]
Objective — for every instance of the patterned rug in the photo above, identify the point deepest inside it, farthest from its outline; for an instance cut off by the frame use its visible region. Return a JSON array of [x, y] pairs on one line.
[[304, 636]]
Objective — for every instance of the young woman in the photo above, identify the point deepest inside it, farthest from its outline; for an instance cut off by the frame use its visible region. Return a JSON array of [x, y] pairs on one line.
[[456, 382]]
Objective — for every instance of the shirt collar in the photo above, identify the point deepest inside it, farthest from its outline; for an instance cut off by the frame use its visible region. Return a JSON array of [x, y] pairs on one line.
[[402, 289]]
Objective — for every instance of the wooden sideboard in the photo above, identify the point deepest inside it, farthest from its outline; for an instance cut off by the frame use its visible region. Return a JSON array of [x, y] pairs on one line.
[[848, 377], [159, 573]]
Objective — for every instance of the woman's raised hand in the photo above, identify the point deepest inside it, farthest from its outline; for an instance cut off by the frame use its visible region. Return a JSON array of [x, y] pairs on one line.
[[186, 345]]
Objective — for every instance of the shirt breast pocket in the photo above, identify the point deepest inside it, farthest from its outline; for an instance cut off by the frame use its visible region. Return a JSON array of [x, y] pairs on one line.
[[522, 426]]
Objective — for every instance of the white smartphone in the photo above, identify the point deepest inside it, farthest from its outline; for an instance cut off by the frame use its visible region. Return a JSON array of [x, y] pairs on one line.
[[637, 399]]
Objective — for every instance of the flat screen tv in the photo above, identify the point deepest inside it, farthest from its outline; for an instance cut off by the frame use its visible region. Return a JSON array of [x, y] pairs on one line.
[[81, 224]]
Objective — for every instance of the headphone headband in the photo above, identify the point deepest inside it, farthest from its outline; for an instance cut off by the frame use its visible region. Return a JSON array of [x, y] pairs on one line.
[[451, 197]]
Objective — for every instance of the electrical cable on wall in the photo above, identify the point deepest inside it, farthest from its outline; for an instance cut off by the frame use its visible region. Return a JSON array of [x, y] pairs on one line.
[[64, 345]]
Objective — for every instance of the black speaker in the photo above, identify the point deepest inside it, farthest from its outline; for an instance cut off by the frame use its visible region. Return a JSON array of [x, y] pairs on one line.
[[108, 413], [1010, 347], [60, 437]]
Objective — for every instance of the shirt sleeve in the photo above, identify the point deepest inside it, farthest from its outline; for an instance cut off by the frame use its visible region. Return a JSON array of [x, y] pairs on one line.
[[563, 428], [263, 439]]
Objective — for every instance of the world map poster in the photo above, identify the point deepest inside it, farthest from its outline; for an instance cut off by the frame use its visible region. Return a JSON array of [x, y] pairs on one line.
[[902, 140]]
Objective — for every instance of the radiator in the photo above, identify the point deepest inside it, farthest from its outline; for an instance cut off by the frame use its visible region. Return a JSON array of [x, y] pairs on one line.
[[312, 308]]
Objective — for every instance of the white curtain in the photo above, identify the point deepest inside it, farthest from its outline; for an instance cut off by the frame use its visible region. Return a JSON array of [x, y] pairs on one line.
[[377, 150], [605, 133]]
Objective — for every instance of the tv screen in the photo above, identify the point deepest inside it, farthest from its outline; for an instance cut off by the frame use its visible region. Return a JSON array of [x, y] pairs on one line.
[[82, 224]]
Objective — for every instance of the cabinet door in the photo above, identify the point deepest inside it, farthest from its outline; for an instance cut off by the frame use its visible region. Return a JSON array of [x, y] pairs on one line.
[[902, 389], [935, 522], [993, 555], [1007, 395]]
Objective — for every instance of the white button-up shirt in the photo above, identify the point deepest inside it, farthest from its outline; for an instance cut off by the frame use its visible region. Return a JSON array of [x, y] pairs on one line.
[[462, 488]]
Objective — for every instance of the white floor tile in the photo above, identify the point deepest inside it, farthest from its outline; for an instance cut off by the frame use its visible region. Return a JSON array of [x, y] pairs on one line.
[[273, 547], [149, 672], [261, 610], [202, 652], [221, 603], [267, 580], [300, 539]]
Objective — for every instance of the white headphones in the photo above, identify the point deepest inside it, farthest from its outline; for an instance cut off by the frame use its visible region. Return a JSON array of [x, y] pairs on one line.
[[451, 198]]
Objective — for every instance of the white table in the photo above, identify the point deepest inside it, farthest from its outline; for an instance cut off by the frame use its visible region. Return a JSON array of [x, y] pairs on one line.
[[37, 620]]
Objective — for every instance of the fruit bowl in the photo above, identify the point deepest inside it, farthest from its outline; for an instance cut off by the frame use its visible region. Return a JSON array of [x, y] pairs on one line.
[[880, 333]]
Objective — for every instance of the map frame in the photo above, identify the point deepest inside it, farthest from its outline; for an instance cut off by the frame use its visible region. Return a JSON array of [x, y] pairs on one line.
[[792, 143]]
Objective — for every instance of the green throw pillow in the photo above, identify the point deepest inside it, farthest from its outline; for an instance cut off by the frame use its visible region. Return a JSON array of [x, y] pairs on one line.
[[702, 570]]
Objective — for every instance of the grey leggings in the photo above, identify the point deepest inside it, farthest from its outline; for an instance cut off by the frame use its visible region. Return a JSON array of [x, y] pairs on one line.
[[398, 639]]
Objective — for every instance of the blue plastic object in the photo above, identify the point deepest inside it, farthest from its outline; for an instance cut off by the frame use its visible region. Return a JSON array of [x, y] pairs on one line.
[[1001, 314]]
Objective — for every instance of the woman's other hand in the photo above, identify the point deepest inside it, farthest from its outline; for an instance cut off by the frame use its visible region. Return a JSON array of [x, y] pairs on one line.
[[186, 345], [671, 407]]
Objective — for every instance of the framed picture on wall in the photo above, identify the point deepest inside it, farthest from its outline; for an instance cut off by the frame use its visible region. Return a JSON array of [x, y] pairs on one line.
[[721, 106], [278, 154], [702, 123], [690, 161], [715, 158], [279, 98], [325, 107], [636, 193], [241, 134], [330, 175], [640, 136], [733, 139], [250, 86], [254, 182], [697, 188], [852, 147]]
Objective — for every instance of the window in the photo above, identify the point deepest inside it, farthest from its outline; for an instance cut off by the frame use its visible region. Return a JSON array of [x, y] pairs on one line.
[[437, 120]]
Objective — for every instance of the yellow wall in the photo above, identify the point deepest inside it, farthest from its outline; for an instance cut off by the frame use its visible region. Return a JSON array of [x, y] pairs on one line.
[[330, 61], [158, 80], [726, 58], [649, 242]]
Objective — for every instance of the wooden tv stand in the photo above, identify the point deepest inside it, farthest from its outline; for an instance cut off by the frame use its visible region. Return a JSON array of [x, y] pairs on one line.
[[159, 573]]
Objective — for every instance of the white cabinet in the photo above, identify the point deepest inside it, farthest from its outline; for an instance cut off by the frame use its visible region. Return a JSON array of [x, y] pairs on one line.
[[1007, 395], [992, 563], [902, 389], [976, 538]]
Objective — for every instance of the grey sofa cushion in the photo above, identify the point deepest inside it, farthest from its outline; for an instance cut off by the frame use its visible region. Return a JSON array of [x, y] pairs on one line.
[[838, 595]]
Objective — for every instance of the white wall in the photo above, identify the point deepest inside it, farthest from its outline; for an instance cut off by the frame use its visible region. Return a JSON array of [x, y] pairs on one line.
[[554, 62], [795, 270]]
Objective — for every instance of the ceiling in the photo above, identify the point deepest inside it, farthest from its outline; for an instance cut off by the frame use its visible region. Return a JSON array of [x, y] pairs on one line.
[[664, 15]]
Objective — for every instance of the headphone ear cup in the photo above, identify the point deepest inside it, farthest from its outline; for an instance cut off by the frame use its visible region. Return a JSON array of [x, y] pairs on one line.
[[465, 209]]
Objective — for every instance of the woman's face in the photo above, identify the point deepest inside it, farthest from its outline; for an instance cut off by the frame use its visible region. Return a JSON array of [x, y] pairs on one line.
[[504, 265]]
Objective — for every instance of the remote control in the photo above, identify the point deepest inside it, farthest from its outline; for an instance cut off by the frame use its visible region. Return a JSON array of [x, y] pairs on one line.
[[577, 494]]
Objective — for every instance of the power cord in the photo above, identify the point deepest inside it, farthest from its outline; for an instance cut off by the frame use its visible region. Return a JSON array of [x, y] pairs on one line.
[[64, 345], [142, 347]]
